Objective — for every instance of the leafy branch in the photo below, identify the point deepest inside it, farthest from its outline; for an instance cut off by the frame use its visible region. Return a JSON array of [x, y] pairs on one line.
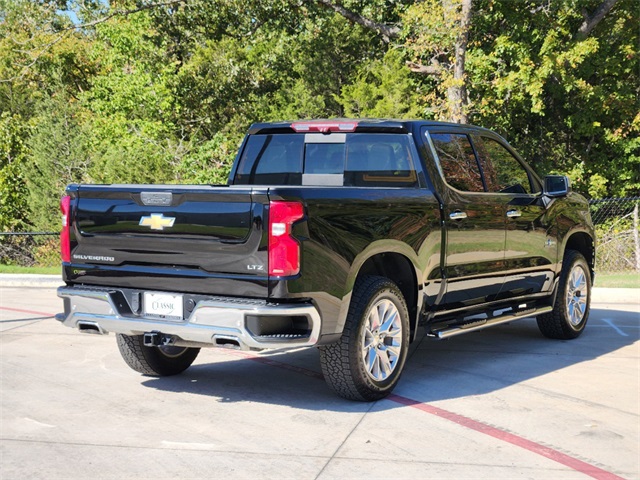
[[62, 33], [387, 32], [123, 13]]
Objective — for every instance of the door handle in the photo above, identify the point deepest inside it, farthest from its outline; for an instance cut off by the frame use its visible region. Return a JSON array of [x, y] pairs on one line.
[[458, 215], [514, 214]]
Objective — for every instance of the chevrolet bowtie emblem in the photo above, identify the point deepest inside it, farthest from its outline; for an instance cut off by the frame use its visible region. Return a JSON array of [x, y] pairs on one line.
[[157, 221]]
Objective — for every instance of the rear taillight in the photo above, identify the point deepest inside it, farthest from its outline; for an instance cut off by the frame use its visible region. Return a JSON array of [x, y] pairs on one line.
[[65, 241], [284, 250]]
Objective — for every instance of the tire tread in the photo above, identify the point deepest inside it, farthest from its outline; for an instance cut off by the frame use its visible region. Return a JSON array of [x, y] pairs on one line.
[[335, 359], [554, 324], [149, 360]]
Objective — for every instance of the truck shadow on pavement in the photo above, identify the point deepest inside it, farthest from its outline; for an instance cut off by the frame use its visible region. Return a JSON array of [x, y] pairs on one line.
[[233, 378], [473, 364]]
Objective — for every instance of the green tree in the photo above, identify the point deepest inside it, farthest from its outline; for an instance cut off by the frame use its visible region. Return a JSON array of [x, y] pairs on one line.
[[564, 94], [42, 74], [384, 88], [14, 213], [208, 162], [59, 155]]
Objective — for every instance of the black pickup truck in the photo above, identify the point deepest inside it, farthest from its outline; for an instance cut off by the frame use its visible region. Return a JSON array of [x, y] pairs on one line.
[[348, 235]]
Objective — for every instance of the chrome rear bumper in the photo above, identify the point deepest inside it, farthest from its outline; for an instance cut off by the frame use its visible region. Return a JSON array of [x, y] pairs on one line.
[[221, 321]]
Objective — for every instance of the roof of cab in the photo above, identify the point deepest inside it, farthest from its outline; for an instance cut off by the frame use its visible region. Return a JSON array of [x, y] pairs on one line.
[[361, 125]]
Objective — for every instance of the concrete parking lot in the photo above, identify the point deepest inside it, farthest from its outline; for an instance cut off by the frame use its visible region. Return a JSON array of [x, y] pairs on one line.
[[501, 403]]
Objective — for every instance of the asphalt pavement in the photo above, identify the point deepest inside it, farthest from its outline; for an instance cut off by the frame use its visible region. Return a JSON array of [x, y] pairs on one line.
[[500, 403]]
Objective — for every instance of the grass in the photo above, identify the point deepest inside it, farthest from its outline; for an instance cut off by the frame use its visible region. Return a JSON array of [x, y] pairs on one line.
[[31, 270], [617, 280]]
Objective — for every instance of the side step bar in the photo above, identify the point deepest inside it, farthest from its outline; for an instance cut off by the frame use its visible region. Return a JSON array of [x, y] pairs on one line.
[[480, 324]]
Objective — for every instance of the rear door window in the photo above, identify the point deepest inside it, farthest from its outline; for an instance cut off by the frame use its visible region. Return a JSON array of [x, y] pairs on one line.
[[379, 160]]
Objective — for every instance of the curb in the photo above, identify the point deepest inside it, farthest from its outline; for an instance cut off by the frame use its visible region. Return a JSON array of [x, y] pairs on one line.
[[615, 295], [29, 280], [599, 294]]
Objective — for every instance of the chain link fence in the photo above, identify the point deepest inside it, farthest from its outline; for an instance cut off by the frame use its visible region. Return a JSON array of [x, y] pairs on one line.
[[618, 232], [30, 249], [615, 219]]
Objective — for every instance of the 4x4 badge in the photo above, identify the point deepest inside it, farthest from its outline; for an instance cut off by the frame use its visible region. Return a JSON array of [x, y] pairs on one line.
[[157, 221]]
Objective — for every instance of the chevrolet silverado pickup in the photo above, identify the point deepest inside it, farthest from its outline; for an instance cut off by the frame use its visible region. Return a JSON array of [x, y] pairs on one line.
[[348, 235]]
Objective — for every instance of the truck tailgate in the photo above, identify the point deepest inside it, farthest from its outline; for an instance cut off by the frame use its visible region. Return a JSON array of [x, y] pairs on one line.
[[181, 238]]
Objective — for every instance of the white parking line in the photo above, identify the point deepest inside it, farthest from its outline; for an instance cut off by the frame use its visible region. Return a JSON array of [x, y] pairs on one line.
[[614, 326]]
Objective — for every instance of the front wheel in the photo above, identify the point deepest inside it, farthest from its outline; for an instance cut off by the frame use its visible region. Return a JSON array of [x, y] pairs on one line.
[[366, 363], [571, 309], [154, 361]]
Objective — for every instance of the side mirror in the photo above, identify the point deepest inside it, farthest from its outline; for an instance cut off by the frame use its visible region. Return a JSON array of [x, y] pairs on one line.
[[556, 185]]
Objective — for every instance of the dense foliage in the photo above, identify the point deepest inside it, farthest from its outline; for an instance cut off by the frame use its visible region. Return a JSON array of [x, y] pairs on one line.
[[143, 91]]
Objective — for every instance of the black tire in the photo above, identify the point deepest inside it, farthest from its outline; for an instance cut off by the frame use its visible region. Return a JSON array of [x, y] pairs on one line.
[[154, 361], [343, 363], [573, 300]]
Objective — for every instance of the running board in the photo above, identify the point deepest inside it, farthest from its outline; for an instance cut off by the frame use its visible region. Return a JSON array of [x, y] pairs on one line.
[[480, 324]]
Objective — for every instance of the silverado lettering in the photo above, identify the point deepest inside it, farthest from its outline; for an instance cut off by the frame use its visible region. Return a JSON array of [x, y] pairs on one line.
[[95, 258], [349, 235]]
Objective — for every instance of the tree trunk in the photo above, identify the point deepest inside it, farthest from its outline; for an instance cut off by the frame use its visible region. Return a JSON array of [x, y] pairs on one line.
[[590, 21], [457, 93]]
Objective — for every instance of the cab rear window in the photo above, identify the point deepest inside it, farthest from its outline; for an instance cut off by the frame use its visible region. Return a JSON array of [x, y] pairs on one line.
[[355, 159], [271, 160]]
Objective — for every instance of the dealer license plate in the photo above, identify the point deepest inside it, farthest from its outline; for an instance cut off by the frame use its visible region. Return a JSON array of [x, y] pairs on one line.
[[162, 306]]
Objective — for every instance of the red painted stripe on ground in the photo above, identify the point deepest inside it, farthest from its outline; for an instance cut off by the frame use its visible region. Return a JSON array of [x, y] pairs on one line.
[[20, 310], [550, 453], [547, 452]]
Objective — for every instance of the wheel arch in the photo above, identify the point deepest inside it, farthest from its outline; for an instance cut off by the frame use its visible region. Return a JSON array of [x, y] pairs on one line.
[[398, 268], [584, 243]]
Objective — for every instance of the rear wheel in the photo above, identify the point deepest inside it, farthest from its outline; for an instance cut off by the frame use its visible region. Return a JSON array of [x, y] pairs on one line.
[[366, 363], [154, 361], [571, 309]]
